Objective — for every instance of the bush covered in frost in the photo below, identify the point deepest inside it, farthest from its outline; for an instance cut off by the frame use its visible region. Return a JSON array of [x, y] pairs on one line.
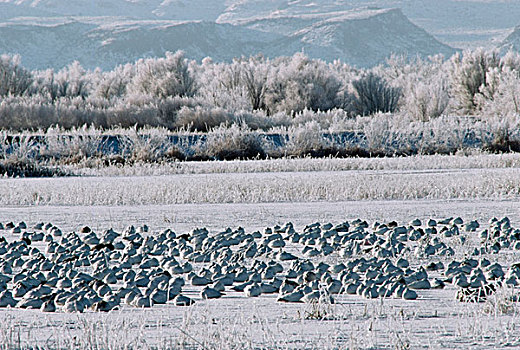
[[177, 93]]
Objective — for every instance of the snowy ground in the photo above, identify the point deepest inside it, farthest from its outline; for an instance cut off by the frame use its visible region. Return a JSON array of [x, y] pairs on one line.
[[185, 217], [435, 320]]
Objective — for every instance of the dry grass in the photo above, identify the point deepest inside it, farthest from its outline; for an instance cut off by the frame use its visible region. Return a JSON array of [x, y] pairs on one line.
[[497, 184], [473, 160]]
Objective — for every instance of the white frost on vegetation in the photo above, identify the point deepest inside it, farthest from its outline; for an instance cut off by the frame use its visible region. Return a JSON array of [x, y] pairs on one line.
[[497, 184]]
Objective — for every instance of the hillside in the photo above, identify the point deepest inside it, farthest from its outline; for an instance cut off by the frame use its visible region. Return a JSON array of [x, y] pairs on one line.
[[363, 38], [108, 45], [359, 37], [135, 9], [512, 41], [458, 23]]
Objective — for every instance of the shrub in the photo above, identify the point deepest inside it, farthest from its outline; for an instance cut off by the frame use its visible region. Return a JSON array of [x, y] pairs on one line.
[[504, 134], [307, 140], [70, 147], [202, 119], [71, 81], [373, 95], [169, 109], [424, 82], [262, 93], [503, 98], [19, 158], [427, 100], [238, 86], [27, 168], [113, 84], [144, 148], [254, 77], [226, 143], [222, 86], [26, 113]]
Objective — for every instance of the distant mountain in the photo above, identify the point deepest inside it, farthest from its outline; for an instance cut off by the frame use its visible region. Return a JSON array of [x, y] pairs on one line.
[[359, 37], [512, 41], [45, 45], [207, 10], [458, 23], [9, 10], [108, 45], [129, 42]]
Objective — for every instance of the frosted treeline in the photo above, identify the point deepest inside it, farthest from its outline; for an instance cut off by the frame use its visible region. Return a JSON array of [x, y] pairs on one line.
[[171, 108], [175, 92]]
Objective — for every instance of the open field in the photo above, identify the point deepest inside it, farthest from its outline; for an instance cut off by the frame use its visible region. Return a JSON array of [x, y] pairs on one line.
[[435, 320], [256, 216], [259, 194]]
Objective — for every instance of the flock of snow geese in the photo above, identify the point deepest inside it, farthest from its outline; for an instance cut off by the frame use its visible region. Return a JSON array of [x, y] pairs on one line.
[[43, 268]]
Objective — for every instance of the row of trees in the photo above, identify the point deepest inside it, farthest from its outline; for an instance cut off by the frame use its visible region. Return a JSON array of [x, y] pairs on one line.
[[287, 84], [476, 82]]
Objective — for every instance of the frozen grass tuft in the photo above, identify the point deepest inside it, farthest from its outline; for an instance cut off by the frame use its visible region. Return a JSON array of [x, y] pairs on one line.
[[230, 143]]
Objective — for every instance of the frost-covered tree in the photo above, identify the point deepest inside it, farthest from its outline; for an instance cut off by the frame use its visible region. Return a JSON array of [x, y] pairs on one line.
[[237, 86], [470, 77], [259, 92], [297, 83], [502, 98], [222, 85], [44, 84], [511, 61], [113, 84], [164, 77], [15, 80], [254, 76], [484, 82], [425, 85], [71, 81], [426, 100]]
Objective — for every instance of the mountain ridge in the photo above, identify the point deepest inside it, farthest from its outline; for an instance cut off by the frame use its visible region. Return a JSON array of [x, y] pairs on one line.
[[360, 37], [512, 41]]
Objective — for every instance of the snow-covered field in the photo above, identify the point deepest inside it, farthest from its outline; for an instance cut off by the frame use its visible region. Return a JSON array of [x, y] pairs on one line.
[[435, 320], [394, 190]]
